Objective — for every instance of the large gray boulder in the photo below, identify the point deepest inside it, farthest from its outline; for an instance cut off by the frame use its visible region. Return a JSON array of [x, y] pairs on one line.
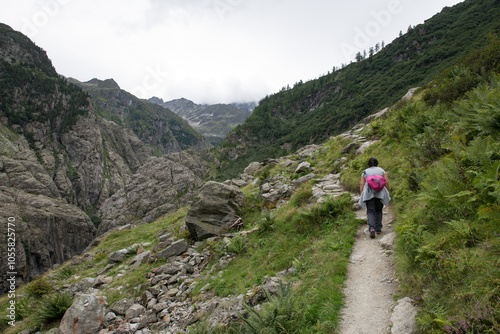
[[85, 316], [213, 210]]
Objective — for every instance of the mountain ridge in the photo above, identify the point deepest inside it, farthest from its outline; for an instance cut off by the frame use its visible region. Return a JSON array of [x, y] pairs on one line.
[[157, 126]]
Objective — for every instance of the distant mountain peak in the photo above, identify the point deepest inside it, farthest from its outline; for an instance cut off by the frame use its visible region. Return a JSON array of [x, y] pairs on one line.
[[96, 83], [156, 100], [103, 84]]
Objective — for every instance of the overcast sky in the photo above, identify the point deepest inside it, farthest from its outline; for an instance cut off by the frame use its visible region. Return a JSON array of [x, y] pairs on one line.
[[209, 51]]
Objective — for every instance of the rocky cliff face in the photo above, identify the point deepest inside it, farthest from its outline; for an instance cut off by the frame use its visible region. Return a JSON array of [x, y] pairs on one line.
[[160, 186], [63, 168]]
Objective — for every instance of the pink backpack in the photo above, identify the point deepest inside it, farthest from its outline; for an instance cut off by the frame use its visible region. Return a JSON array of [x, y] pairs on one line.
[[377, 182]]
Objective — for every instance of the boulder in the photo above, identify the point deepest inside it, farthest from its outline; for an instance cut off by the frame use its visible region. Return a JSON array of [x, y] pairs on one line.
[[409, 94], [364, 146], [308, 151], [176, 248], [85, 316], [287, 163], [378, 114], [349, 148], [213, 209], [303, 179], [101, 280]]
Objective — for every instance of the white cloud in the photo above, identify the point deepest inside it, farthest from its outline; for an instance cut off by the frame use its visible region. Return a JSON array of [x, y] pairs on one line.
[[209, 51]]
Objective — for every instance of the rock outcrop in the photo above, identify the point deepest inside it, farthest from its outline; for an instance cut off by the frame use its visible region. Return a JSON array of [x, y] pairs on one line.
[[213, 210], [160, 186]]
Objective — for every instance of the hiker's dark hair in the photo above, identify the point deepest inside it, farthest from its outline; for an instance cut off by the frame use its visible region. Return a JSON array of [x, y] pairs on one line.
[[372, 162]]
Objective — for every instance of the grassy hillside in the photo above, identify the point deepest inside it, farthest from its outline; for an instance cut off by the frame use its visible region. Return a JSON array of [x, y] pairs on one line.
[[442, 153], [310, 112]]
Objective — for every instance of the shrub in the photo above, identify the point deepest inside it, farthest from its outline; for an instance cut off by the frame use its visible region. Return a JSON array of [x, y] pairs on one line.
[[282, 314], [301, 196], [475, 319], [266, 224], [64, 273], [39, 287], [25, 307], [237, 245], [54, 306]]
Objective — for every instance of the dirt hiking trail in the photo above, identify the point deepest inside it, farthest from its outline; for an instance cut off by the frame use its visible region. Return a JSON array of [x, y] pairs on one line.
[[371, 282]]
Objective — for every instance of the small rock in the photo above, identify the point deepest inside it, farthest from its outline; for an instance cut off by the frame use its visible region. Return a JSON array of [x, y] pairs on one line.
[[165, 237], [387, 241], [118, 256], [134, 311], [403, 317], [110, 316], [303, 167], [121, 306]]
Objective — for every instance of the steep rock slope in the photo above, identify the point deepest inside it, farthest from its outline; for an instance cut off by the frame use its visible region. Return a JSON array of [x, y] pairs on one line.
[[160, 186]]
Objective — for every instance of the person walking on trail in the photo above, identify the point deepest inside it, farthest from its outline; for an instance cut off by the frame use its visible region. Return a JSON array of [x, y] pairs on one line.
[[374, 195]]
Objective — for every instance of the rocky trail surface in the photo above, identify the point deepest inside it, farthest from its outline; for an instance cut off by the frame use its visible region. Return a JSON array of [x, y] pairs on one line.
[[371, 285]]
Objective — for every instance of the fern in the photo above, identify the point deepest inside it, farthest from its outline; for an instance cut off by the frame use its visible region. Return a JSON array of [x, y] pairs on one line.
[[281, 315], [237, 245], [480, 113], [54, 306]]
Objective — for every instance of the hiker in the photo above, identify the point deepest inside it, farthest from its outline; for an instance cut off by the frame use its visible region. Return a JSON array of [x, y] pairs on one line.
[[371, 199]]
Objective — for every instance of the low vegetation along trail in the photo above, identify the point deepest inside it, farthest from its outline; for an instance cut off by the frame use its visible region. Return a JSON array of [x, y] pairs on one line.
[[371, 283]]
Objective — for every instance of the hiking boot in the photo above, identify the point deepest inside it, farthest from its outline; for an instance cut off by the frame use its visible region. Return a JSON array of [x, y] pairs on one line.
[[372, 234], [379, 232]]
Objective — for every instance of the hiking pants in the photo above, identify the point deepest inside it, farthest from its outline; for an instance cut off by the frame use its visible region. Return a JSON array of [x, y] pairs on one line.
[[374, 213]]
